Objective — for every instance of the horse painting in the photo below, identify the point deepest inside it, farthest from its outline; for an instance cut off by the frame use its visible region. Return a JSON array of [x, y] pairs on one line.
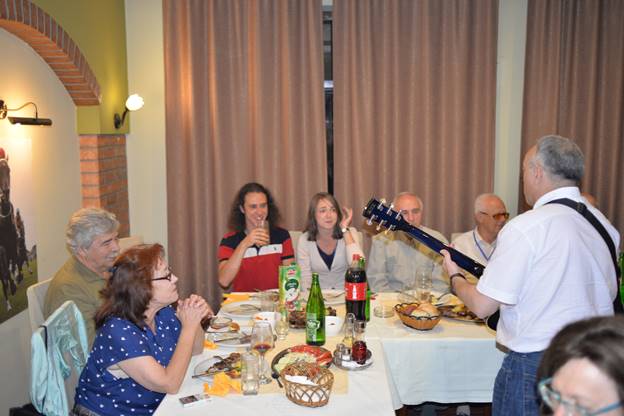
[[8, 232]]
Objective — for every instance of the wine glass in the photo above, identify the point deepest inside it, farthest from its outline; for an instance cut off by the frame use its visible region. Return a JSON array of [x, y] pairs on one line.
[[262, 341]]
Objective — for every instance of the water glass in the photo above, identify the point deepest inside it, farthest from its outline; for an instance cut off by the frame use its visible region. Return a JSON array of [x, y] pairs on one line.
[[281, 326], [424, 284], [267, 301], [250, 374]]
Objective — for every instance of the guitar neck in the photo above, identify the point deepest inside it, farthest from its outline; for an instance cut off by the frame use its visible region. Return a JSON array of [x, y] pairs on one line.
[[463, 261]]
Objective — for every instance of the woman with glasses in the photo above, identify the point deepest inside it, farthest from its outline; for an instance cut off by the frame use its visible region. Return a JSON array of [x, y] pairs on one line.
[[582, 371], [143, 344]]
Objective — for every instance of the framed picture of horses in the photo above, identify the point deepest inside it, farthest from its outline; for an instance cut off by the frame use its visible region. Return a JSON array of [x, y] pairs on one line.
[[18, 239]]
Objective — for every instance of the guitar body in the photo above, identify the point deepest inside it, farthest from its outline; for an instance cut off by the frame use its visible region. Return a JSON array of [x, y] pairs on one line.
[[392, 220]]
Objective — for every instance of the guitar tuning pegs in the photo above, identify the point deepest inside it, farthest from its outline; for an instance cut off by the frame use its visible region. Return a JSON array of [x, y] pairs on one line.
[[369, 222], [378, 228], [389, 211], [383, 201]]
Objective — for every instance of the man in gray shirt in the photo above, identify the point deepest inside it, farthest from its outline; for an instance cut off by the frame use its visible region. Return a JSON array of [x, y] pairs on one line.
[[395, 258]]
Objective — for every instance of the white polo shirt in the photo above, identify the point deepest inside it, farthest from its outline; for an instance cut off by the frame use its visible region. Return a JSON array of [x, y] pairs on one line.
[[550, 267], [471, 244]]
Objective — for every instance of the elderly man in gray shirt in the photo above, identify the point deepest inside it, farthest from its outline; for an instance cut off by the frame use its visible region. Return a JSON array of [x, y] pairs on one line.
[[395, 258]]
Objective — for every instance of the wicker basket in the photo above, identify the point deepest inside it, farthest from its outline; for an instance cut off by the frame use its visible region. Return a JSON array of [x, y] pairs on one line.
[[305, 395], [423, 323]]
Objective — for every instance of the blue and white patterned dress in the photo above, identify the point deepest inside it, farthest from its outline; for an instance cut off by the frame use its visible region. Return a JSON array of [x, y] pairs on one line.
[[118, 340]]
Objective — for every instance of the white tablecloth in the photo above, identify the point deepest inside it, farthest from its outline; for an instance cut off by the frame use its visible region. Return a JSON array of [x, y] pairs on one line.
[[368, 393], [452, 363]]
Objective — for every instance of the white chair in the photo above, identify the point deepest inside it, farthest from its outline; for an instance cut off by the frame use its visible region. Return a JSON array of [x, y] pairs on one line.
[[127, 242], [294, 237], [36, 295], [59, 352]]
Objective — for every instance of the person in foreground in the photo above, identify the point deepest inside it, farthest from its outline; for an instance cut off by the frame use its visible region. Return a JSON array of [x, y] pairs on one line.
[[91, 238], [490, 215], [327, 244], [143, 345], [250, 254], [550, 268], [395, 258], [582, 371]]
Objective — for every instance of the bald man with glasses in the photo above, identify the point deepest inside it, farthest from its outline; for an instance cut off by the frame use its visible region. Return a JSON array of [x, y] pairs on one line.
[[490, 216]]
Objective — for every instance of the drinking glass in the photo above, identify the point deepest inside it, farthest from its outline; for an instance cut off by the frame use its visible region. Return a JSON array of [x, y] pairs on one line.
[[263, 224], [281, 326], [267, 301], [424, 284], [249, 374], [262, 341]]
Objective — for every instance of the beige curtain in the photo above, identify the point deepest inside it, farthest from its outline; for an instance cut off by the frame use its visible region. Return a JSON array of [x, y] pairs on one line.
[[244, 102], [574, 86], [415, 91]]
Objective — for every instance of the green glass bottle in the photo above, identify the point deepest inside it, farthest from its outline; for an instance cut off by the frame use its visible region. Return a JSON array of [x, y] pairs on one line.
[[368, 299], [315, 314]]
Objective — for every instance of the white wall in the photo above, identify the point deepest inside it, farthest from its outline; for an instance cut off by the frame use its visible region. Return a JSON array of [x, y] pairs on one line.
[[56, 176], [147, 176]]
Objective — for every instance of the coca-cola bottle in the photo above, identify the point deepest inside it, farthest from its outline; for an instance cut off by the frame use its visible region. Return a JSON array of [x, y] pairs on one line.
[[355, 288]]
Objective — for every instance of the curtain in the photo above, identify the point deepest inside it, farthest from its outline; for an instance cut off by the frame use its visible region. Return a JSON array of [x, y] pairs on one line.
[[415, 92], [244, 102], [574, 86]]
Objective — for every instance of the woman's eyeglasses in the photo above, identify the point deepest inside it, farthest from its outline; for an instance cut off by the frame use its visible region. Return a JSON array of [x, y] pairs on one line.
[[498, 216], [553, 399], [165, 277]]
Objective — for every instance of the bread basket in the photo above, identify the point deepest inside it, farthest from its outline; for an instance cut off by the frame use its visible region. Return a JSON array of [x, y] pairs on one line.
[[421, 323], [308, 395]]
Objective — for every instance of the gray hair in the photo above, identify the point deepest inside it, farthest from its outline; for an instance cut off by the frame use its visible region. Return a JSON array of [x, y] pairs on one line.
[[86, 224], [480, 201], [407, 193], [562, 159]]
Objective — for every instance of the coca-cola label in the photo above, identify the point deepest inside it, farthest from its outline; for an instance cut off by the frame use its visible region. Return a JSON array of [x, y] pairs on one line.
[[355, 291]]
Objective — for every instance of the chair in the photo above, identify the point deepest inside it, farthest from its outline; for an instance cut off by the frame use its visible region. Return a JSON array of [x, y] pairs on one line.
[[127, 242], [58, 354], [294, 237], [36, 295]]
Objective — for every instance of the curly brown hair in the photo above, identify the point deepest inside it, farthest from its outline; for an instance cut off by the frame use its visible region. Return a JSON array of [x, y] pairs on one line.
[[236, 220], [128, 291]]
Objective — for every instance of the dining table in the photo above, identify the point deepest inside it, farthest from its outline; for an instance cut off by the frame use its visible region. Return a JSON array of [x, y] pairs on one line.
[[366, 391], [455, 362]]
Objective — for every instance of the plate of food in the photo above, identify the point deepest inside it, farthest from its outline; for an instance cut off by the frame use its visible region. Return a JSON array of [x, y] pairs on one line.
[[459, 312], [305, 353], [241, 310], [230, 365], [297, 319]]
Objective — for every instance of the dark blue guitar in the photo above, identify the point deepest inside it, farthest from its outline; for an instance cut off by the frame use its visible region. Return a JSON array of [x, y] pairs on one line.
[[392, 220]]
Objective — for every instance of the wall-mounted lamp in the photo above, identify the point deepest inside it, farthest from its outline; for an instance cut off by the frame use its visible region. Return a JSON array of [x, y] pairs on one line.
[[28, 121], [133, 103]]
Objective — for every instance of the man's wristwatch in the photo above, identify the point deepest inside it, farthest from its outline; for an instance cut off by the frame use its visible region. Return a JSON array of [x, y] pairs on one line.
[[451, 280]]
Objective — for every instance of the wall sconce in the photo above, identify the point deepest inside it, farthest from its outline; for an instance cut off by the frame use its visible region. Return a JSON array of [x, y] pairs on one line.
[[27, 121], [133, 103]]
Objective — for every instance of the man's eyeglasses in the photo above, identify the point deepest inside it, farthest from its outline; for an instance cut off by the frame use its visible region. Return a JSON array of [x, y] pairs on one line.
[[165, 277], [498, 216], [554, 399]]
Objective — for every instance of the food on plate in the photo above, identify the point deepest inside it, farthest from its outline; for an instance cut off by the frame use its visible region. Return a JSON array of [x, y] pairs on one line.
[[459, 311], [297, 319], [303, 353], [234, 326], [221, 385], [329, 311], [230, 365]]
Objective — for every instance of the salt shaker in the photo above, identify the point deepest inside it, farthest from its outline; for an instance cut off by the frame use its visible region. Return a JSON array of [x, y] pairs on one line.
[[349, 326]]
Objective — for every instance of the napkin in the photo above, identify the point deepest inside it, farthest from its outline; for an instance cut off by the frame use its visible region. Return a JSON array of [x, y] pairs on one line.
[[300, 380], [235, 297]]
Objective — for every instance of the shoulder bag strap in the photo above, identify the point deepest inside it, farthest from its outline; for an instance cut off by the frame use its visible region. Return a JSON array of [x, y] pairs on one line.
[[581, 208]]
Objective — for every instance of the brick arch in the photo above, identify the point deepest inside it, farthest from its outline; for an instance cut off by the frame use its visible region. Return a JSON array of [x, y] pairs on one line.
[[34, 26]]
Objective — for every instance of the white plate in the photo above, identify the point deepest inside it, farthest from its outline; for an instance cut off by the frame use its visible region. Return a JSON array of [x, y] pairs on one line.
[[234, 343], [331, 297], [241, 310], [203, 366]]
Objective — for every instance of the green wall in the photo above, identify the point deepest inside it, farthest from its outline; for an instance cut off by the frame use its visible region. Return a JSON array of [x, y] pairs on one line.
[[98, 27]]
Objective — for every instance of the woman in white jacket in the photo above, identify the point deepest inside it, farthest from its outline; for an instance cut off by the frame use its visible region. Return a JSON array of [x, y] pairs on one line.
[[327, 244]]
